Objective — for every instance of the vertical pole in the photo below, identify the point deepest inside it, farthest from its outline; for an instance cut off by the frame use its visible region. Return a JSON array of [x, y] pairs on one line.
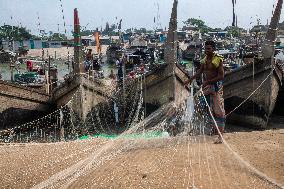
[[78, 67], [49, 81], [12, 69], [42, 54], [54, 133]]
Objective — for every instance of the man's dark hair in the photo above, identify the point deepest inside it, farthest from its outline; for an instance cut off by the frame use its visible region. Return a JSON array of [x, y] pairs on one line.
[[212, 43]]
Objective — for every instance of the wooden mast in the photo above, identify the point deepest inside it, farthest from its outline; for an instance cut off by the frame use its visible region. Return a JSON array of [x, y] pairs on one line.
[[171, 50], [269, 42], [78, 64]]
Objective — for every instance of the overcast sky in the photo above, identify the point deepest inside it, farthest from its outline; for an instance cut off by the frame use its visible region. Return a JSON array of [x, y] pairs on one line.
[[134, 13]]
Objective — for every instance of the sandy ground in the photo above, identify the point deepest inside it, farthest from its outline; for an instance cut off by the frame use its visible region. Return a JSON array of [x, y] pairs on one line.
[[181, 162]]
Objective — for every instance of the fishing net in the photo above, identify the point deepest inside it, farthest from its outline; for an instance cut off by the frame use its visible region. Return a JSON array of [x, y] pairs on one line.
[[177, 136]]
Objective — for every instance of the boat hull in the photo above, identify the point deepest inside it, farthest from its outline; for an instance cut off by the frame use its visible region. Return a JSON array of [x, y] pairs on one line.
[[241, 83], [19, 104]]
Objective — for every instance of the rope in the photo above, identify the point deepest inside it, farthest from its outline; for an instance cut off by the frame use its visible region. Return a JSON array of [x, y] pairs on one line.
[[255, 171], [252, 92]]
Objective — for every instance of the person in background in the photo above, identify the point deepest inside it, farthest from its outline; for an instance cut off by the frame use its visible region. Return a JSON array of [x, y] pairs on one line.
[[29, 65], [212, 86], [112, 75], [18, 64], [117, 63], [119, 70], [89, 60]]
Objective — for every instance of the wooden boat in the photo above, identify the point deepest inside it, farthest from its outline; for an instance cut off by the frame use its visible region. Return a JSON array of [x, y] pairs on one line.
[[113, 53], [261, 76], [21, 104], [161, 86]]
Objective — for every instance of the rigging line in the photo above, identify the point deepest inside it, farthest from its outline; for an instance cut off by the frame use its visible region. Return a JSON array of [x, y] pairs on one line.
[[252, 92], [56, 111], [65, 30], [255, 171]]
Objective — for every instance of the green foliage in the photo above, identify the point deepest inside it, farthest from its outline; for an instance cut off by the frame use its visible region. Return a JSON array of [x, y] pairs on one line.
[[199, 24], [14, 33], [234, 31], [87, 32], [195, 22], [141, 30], [128, 30], [216, 30], [110, 30], [58, 37], [203, 28]]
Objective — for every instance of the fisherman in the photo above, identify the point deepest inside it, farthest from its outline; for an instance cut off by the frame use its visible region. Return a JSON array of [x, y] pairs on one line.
[[119, 65], [213, 74], [112, 75], [89, 60]]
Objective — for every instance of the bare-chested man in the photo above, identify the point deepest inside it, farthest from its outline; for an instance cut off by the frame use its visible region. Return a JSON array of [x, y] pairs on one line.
[[213, 75]]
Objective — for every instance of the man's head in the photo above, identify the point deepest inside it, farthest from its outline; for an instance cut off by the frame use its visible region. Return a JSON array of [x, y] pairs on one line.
[[209, 47]]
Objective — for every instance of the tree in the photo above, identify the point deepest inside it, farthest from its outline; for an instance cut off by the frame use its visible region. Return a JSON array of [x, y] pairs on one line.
[[216, 29], [107, 29], [58, 37], [195, 22], [141, 30], [128, 30], [234, 31], [14, 33], [87, 32], [112, 27], [199, 24]]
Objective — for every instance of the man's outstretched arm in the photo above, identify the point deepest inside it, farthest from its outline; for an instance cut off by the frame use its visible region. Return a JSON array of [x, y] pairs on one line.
[[197, 74]]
